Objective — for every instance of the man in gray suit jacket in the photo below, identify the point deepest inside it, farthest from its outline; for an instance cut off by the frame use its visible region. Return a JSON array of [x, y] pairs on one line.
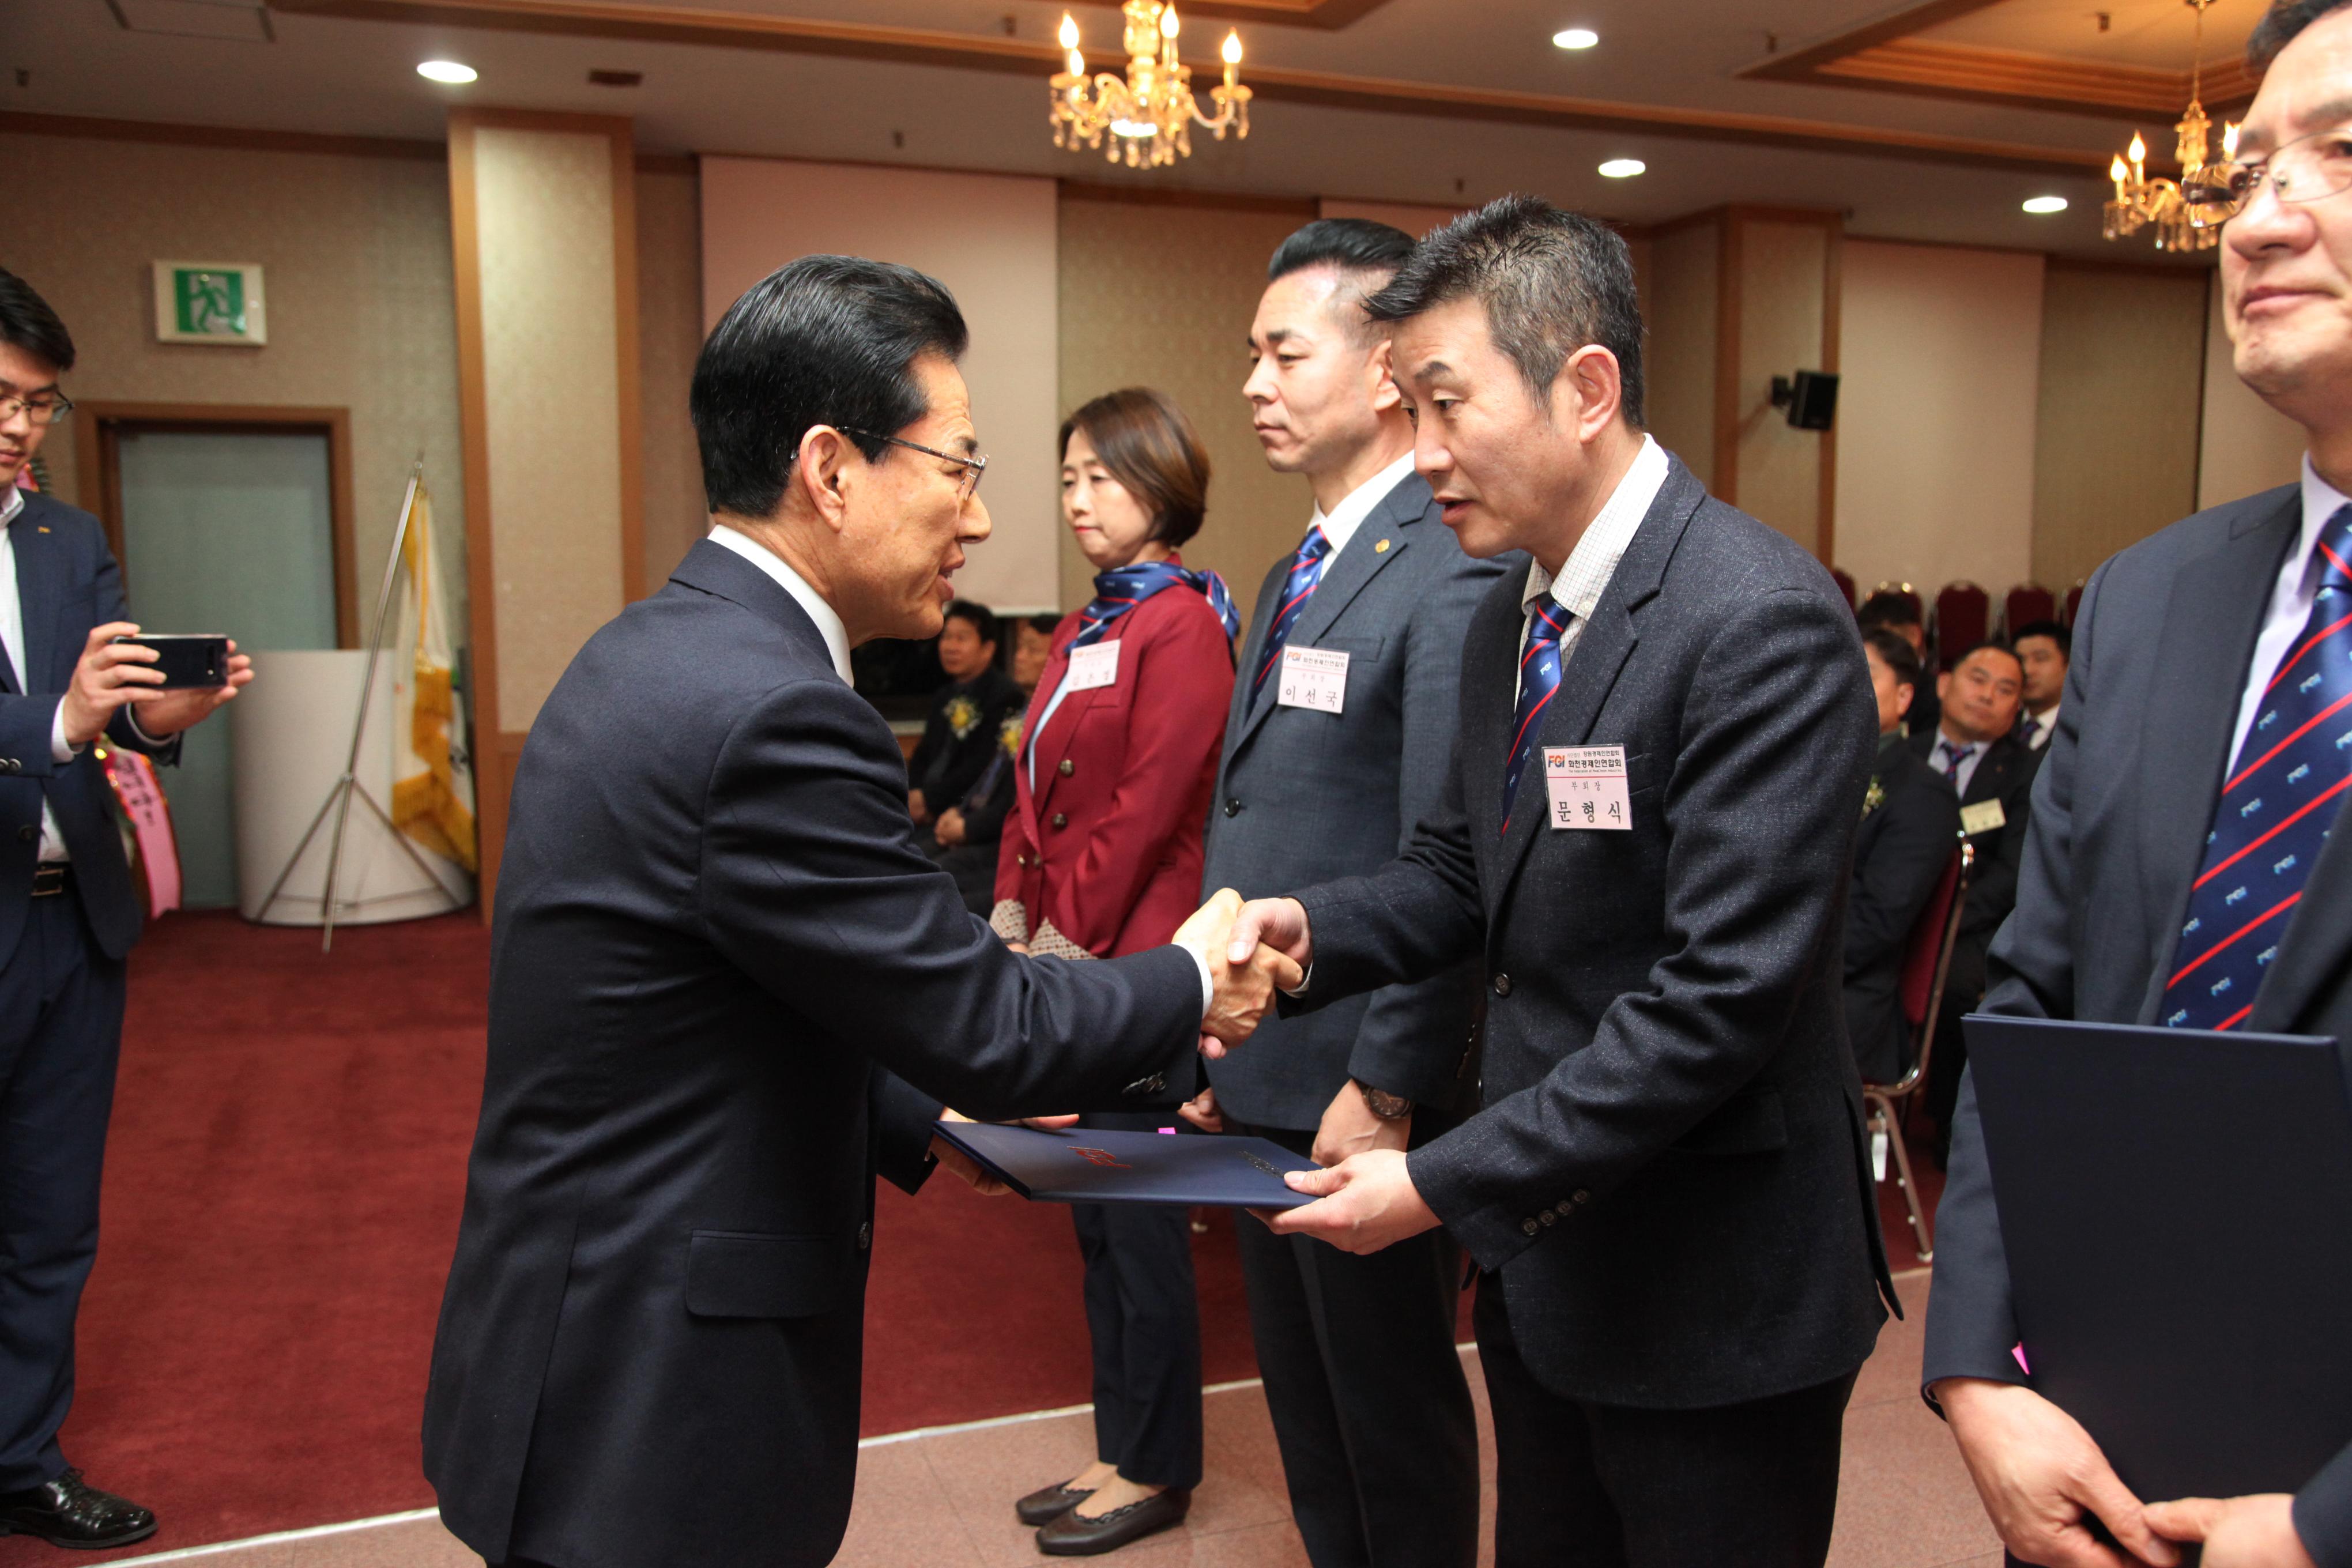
[[1666, 732], [1379, 1444], [2209, 674]]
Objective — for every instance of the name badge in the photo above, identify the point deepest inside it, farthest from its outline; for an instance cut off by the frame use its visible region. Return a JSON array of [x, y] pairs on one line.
[[1587, 785], [1093, 665], [1313, 677], [1982, 817]]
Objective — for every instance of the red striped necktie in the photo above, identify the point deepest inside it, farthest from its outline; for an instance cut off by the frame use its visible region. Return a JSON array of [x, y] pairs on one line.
[[1538, 681], [1306, 576]]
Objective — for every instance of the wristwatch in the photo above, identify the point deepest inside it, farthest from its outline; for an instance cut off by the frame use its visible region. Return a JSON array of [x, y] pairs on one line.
[[1386, 1106]]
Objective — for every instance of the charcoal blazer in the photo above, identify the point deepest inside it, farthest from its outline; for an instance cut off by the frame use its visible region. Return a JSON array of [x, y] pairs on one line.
[[2163, 643], [714, 930], [68, 584], [1304, 796], [1668, 1168], [1900, 851]]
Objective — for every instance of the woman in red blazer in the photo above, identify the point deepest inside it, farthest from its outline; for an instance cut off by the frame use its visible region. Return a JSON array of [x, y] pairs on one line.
[[1101, 856]]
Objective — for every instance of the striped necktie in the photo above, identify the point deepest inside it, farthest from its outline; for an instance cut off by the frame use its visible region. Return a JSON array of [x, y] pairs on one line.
[[1954, 756], [2274, 812], [1305, 573], [1538, 681]]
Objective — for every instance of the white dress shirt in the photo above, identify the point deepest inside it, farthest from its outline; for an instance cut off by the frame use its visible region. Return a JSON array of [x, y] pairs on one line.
[[2039, 728], [1349, 516], [1585, 574], [2291, 599], [12, 637], [828, 624]]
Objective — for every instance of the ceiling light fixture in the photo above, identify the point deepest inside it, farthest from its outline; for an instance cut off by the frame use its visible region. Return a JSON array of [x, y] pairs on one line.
[[2038, 205], [1149, 114], [1623, 168], [2181, 222], [1575, 38], [448, 71]]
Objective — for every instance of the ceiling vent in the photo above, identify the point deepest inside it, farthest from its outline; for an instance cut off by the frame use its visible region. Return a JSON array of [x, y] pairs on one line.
[[241, 20]]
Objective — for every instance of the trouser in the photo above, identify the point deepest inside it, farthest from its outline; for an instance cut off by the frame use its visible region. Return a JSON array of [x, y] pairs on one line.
[[1143, 1317], [60, 1033], [1600, 1485], [1379, 1439]]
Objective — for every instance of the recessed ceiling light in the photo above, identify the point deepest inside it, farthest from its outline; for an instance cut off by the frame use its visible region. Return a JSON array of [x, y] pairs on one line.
[[1623, 168], [448, 71], [1575, 38], [2045, 204]]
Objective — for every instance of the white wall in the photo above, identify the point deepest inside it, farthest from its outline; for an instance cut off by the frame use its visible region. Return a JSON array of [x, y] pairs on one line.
[[991, 240], [2245, 444], [1941, 360], [1414, 219]]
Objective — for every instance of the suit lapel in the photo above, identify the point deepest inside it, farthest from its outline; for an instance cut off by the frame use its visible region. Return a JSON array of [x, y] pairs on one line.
[[39, 586], [2219, 603], [1249, 715]]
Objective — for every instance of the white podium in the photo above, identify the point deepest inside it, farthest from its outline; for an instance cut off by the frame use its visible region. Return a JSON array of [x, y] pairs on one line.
[[290, 732]]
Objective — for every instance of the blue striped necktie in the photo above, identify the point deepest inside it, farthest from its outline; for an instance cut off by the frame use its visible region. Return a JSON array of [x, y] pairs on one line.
[[1305, 573], [2275, 810], [1538, 681]]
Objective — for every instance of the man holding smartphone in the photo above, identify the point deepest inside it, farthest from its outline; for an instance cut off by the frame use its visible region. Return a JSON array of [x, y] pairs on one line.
[[68, 916]]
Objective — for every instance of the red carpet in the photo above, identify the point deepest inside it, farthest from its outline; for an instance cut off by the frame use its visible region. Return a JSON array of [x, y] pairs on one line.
[[283, 1186]]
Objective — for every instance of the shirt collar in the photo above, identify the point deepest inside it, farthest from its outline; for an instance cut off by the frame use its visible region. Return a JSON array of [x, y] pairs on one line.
[[2321, 500], [828, 624], [1585, 574], [12, 506], [1349, 516]]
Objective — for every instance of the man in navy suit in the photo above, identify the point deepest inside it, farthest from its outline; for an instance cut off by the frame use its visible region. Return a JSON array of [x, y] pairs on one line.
[[2180, 867], [67, 917]]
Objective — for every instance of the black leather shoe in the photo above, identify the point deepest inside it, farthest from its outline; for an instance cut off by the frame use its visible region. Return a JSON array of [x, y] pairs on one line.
[[70, 1512], [1050, 1503], [1075, 1535]]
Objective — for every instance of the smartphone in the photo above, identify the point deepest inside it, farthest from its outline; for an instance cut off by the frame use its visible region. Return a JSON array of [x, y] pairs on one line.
[[193, 660]]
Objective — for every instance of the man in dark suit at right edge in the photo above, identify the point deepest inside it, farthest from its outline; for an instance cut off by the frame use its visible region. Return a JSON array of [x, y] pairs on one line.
[[2206, 690], [1666, 734]]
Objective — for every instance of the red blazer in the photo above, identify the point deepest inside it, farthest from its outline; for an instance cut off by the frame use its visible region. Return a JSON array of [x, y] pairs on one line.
[[1107, 845]]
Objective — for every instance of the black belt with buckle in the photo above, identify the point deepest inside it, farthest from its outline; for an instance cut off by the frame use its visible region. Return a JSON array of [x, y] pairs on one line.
[[49, 879]]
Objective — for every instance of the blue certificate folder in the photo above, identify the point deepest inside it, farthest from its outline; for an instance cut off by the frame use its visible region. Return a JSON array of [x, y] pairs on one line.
[[1083, 1165], [2176, 1205]]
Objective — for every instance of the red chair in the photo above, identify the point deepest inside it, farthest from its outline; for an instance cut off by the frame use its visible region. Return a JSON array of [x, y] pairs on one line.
[[1845, 580], [2074, 600], [1963, 616], [2027, 603], [1926, 964], [1903, 590]]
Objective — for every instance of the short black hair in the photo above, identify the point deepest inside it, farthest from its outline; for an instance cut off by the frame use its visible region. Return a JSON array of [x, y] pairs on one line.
[[1365, 254], [825, 340], [2052, 629], [1974, 648], [979, 617], [1894, 650], [1552, 282], [2280, 25], [1044, 622], [28, 325], [1888, 608]]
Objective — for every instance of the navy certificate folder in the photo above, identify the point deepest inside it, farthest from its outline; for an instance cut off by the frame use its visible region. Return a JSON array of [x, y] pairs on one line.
[[1085, 1166], [2176, 1205]]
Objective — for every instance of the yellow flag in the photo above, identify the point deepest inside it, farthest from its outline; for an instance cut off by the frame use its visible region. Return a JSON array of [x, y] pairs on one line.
[[433, 779]]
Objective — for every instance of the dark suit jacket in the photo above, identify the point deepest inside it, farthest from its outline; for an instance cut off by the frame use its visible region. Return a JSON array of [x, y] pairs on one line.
[[1303, 798], [1668, 1169], [2005, 773], [1899, 854], [2163, 643], [67, 585], [712, 925], [946, 763], [989, 801]]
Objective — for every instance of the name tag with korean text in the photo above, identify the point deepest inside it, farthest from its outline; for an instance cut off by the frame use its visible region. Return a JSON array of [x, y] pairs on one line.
[[1982, 817], [1313, 677], [1587, 786], [1092, 666]]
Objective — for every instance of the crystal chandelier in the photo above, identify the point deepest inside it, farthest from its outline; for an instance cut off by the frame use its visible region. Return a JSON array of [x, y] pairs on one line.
[[2139, 201], [1149, 115]]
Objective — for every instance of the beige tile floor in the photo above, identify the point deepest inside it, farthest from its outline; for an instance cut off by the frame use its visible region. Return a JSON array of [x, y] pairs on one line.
[[943, 1498]]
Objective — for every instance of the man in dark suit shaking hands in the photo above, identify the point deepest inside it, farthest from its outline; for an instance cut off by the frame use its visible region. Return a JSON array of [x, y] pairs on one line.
[[715, 932], [1666, 734], [2180, 867]]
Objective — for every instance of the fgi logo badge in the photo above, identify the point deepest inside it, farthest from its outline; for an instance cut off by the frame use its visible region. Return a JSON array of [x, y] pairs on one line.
[[207, 303]]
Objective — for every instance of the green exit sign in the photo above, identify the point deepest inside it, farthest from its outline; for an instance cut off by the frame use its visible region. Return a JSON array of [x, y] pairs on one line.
[[210, 302]]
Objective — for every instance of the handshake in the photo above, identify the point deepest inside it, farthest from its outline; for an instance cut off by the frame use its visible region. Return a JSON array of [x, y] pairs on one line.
[[1253, 950]]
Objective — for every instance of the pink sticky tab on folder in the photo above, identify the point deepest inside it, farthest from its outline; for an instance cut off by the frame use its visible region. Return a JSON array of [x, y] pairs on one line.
[[2017, 1351], [1170, 1131]]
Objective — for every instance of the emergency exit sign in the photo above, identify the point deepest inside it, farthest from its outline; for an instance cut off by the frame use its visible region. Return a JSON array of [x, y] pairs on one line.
[[218, 303]]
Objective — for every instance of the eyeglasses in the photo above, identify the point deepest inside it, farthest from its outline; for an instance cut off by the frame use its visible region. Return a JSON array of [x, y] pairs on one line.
[[966, 483], [2307, 169], [46, 409]]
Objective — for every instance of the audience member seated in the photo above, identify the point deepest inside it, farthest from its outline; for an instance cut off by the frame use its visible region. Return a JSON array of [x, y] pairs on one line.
[[1910, 826], [1890, 611], [2044, 647], [965, 838], [967, 717], [1975, 746]]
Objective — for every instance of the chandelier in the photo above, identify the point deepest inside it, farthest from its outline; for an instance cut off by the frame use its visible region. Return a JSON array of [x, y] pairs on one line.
[[2180, 224], [1149, 115]]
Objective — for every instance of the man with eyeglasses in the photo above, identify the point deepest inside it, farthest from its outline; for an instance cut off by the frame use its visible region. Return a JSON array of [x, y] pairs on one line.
[[67, 917], [2208, 663]]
